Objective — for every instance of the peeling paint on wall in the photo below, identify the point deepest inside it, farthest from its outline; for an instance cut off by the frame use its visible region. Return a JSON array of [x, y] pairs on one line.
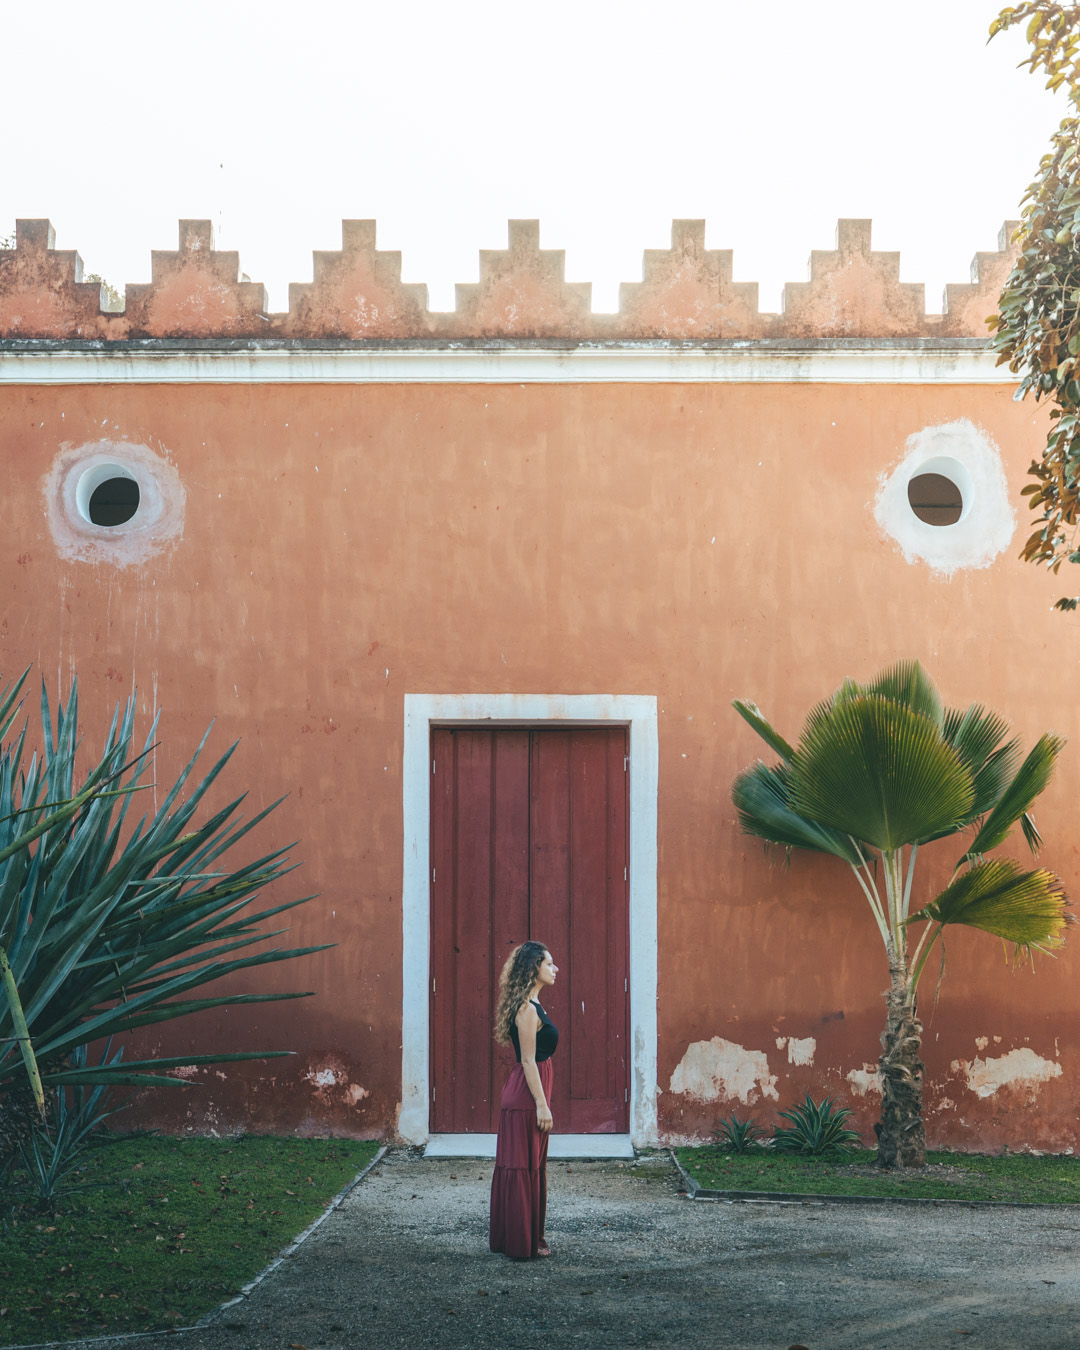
[[1022, 1069], [332, 1083], [967, 456], [798, 1051], [865, 1080], [716, 1070]]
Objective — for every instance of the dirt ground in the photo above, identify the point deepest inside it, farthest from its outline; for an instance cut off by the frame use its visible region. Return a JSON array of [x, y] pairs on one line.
[[404, 1263]]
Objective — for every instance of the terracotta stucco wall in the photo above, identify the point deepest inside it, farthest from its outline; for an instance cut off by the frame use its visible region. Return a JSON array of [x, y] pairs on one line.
[[345, 545]]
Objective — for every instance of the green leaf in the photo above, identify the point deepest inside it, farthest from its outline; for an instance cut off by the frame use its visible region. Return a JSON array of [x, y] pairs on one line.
[[977, 735], [1030, 831], [752, 714], [761, 796], [1030, 779], [999, 897], [108, 924], [22, 1033], [909, 685], [878, 771]]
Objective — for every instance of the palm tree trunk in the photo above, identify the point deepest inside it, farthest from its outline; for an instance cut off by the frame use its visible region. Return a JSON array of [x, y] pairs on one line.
[[901, 1136]]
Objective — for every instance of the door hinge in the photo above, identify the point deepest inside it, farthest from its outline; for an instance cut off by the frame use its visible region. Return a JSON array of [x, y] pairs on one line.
[[625, 875], [433, 1094], [625, 763], [433, 876], [625, 1094], [433, 984], [432, 766], [626, 985]]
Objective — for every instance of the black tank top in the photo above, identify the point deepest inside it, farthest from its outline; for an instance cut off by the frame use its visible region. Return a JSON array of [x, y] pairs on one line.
[[547, 1037]]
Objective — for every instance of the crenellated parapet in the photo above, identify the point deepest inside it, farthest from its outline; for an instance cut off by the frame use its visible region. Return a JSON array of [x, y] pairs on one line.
[[522, 292], [687, 293], [357, 292], [196, 292], [42, 293], [853, 292], [967, 306]]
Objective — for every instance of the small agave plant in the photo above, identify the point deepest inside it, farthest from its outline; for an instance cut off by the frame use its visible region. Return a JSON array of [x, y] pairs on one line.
[[738, 1136], [882, 770], [814, 1128]]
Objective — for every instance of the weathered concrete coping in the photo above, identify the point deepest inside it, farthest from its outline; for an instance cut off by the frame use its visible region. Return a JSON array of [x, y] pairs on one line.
[[699, 1192], [47, 361]]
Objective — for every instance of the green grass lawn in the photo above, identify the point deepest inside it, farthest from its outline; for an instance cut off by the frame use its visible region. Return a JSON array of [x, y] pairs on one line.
[[166, 1230], [1017, 1178]]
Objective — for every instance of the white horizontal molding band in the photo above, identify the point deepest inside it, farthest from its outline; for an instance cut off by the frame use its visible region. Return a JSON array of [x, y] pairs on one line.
[[559, 1146], [749, 363]]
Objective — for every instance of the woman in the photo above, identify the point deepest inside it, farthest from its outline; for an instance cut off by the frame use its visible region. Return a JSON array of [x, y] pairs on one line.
[[519, 1182]]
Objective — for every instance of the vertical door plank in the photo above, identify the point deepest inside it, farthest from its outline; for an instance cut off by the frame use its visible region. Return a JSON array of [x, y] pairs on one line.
[[510, 890], [591, 1087], [472, 1086], [442, 930], [618, 871], [549, 891]]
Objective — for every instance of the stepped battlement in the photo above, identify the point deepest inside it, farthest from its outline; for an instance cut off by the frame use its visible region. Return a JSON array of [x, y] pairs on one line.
[[687, 292]]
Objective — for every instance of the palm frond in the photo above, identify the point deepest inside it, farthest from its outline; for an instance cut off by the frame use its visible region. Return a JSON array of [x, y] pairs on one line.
[[761, 796], [999, 897], [1028, 781], [1031, 832], [978, 736], [975, 731], [907, 684], [879, 771], [752, 714]]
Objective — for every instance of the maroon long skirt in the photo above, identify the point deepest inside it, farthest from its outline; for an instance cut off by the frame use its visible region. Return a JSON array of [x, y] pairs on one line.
[[519, 1182]]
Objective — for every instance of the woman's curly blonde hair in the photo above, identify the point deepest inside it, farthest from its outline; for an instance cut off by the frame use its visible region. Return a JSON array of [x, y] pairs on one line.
[[519, 974]]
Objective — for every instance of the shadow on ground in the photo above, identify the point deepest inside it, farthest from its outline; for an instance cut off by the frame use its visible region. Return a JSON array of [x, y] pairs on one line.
[[404, 1263]]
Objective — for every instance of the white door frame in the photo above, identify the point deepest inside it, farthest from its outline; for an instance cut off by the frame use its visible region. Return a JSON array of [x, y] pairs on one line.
[[422, 712]]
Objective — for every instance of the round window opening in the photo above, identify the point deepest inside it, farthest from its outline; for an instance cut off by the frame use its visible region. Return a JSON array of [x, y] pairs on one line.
[[935, 499], [107, 495]]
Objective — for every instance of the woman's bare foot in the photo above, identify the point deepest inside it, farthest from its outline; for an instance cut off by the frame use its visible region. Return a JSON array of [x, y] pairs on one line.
[[542, 1248]]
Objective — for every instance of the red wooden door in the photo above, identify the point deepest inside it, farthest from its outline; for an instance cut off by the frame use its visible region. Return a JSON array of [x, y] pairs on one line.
[[529, 839]]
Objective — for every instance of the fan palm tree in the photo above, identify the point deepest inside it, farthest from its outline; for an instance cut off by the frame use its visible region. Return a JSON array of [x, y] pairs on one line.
[[882, 769], [107, 922]]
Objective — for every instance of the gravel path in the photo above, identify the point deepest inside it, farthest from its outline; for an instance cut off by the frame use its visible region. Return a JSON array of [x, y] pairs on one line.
[[404, 1263]]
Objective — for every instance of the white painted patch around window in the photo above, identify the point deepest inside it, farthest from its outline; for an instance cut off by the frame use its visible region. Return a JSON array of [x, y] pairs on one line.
[[77, 475], [965, 456]]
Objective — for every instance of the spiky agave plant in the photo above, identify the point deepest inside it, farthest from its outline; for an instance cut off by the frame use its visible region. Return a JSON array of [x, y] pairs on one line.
[[882, 769], [107, 922]]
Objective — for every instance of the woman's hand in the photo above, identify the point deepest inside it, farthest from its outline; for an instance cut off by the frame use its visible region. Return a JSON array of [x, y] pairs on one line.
[[543, 1118]]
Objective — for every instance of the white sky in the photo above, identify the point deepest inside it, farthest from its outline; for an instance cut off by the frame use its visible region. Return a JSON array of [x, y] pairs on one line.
[[604, 118]]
